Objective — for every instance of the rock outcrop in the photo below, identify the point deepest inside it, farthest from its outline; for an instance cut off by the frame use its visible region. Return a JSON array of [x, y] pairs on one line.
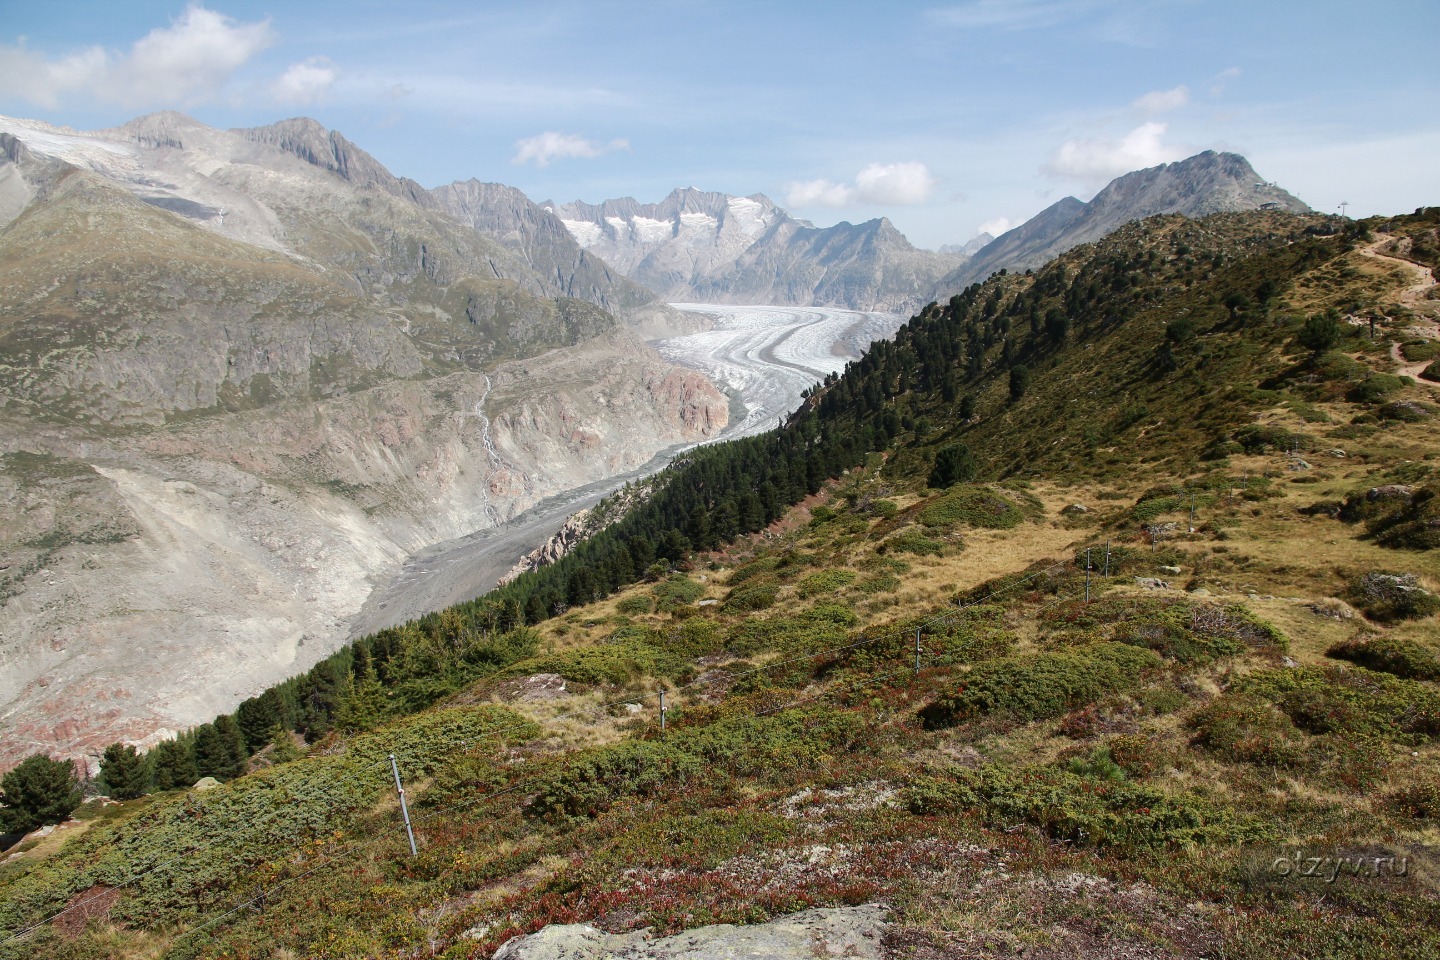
[[1206, 183], [853, 932]]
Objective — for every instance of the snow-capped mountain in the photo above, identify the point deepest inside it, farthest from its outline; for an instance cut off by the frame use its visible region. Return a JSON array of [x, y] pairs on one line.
[[702, 246]]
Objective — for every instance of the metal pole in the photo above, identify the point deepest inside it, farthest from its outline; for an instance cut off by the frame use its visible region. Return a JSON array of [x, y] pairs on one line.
[[1107, 559], [917, 649], [662, 711], [1192, 513], [404, 810], [1087, 574]]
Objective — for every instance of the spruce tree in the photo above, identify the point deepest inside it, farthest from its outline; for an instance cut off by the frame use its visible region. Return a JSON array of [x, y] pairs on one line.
[[39, 791], [173, 765], [123, 772]]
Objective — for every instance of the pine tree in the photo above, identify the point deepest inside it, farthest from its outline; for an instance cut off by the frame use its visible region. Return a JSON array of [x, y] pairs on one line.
[[173, 765], [38, 791], [123, 772]]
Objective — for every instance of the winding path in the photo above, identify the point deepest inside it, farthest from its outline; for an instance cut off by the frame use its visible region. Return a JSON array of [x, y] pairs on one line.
[[1425, 325]]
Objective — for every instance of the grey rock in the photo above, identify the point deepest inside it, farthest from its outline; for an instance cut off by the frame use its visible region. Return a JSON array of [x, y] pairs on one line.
[[1151, 583], [1390, 491], [1076, 508], [701, 246], [853, 932], [1206, 183], [1173, 571]]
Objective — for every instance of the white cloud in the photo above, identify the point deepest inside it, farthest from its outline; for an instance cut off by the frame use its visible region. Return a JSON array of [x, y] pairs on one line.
[[1101, 160], [894, 183], [995, 227], [1162, 101], [549, 145], [188, 62], [306, 82], [890, 184]]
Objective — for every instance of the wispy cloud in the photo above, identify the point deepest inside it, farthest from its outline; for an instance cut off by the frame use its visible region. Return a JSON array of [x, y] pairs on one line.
[[305, 83], [1218, 82], [186, 63], [1011, 14], [1100, 160], [551, 145], [892, 184], [994, 227], [1162, 101]]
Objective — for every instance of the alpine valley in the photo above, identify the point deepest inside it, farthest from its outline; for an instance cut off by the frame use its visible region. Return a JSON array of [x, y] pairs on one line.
[[1090, 610]]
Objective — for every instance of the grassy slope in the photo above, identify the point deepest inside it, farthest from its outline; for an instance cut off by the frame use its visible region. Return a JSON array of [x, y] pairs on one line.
[[1143, 809]]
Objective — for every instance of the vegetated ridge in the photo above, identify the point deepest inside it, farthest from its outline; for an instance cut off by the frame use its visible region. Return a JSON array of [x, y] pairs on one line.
[[1155, 523]]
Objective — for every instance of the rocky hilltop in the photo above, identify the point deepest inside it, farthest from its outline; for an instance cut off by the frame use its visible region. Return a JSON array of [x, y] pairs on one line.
[[698, 246], [243, 374], [1206, 183]]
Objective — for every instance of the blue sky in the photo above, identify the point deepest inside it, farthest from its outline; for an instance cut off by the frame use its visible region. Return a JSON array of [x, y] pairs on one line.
[[945, 117]]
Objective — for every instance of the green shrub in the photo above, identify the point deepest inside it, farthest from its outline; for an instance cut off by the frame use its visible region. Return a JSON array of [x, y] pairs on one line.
[[913, 541], [825, 582], [1389, 597], [759, 594], [1374, 388], [1099, 765], [1352, 702], [771, 747], [1406, 411], [629, 654], [1403, 658], [1417, 350], [1420, 798], [1245, 729], [974, 506], [753, 569], [884, 583], [677, 591], [1080, 810], [636, 605], [1041, 685]]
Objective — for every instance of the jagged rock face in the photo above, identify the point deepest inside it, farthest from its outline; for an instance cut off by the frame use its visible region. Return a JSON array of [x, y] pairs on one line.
[[242, 377], [508, 216], [1206, 183], [701, 247], [856, 932]]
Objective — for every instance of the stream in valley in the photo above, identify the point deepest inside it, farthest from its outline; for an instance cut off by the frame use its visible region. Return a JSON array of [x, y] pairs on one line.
[[763, 357]]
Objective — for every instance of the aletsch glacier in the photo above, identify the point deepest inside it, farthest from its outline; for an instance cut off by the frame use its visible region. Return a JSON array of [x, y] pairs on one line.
[[765, 357]]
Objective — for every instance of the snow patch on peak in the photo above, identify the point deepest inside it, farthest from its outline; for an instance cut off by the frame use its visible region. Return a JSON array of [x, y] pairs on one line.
[[652, 231], [698, 221], [747, 215], [86, 152], [586, 234]]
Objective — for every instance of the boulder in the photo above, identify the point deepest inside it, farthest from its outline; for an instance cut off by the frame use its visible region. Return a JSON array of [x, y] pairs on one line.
[[1150, 583], [853, 932]]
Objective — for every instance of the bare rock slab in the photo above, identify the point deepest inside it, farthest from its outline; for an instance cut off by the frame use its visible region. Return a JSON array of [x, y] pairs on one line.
[[854, 932]]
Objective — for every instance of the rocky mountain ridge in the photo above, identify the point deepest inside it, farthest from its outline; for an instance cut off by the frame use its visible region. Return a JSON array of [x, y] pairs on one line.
[[1196, 187], [242, 376], [698, 246]]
